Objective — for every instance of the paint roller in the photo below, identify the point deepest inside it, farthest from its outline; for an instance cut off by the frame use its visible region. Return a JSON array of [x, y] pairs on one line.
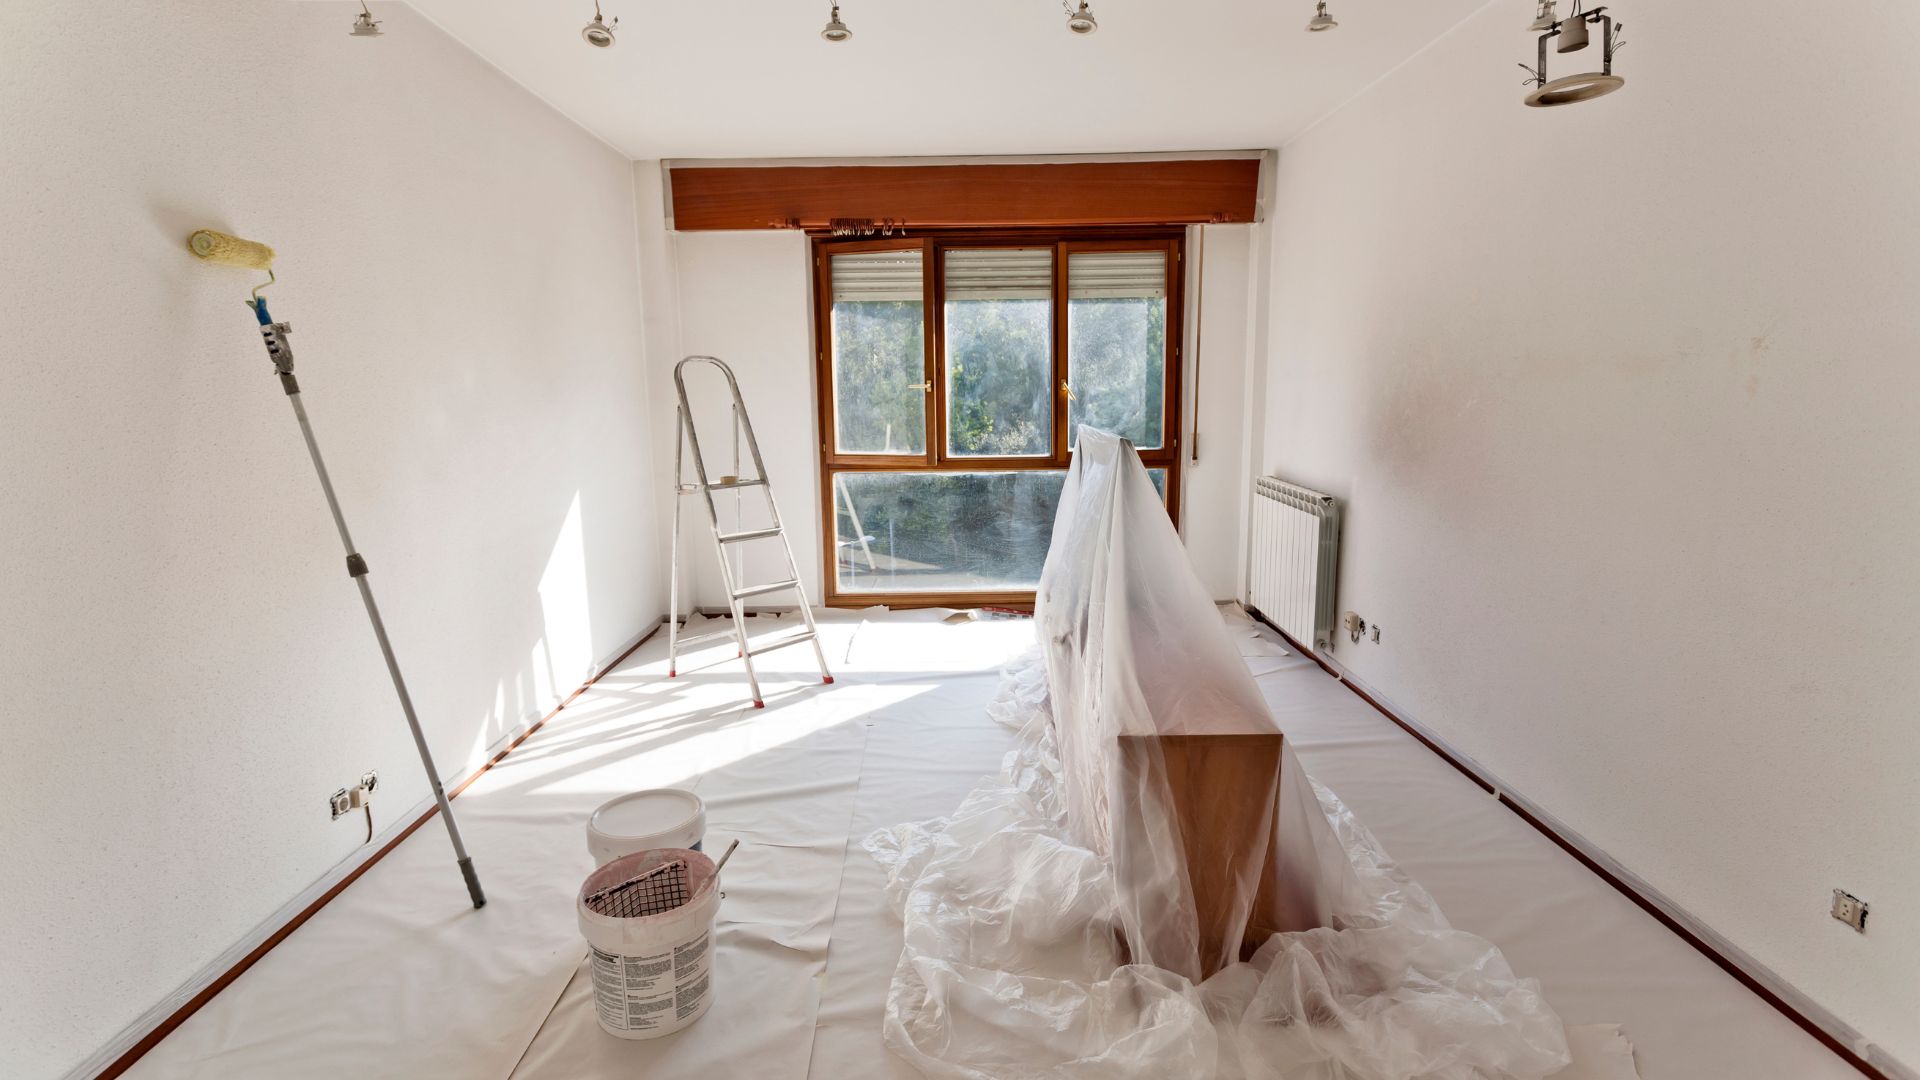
[[225, 250], [218, 247]]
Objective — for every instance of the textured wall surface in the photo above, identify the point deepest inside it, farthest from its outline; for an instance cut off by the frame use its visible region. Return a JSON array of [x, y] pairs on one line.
[[188, 669], [1622, 397]]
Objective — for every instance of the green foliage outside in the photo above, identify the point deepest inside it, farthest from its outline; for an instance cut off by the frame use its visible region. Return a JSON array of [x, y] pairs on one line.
[[999, 367], [990, 528], [1116, 362], [879, 355]]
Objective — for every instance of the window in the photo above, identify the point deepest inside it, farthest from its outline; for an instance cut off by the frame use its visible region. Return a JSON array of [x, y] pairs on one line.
[[998, 355], [954, 373], [1117, 343], [879, 350]]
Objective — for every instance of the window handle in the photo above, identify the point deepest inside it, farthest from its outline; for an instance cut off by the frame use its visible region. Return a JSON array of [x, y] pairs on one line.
[[1067, 391], [925, 387]]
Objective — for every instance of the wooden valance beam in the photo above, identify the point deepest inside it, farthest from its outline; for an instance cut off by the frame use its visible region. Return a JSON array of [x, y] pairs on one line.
[[1184, 192]]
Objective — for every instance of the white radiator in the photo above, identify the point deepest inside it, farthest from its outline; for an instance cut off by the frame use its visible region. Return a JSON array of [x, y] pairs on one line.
[[1293, 556]]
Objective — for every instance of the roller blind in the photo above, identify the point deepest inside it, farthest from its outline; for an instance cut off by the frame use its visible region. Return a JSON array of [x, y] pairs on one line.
[[1108, 275], [999, 273], [877, 276]]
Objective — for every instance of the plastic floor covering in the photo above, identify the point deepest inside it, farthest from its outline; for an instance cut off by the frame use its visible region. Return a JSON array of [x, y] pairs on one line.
[[398, 977]]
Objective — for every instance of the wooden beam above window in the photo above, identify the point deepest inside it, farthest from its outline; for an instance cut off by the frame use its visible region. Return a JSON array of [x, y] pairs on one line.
[[1068, 194]]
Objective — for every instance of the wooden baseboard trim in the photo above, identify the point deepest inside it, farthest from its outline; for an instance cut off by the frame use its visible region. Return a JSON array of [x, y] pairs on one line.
[[220, 982], [1664, 911]]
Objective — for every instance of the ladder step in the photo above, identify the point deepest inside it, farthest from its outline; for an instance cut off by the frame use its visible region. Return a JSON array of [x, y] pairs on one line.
[[781, 643], [722, 485], [758, 590], [751, 534]]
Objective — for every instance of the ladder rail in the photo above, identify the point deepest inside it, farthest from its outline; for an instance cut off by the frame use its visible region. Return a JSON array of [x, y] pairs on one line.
[[773, 506], [673, 546]]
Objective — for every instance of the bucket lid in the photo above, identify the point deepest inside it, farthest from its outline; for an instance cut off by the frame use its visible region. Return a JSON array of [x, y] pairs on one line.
[[646, 813]]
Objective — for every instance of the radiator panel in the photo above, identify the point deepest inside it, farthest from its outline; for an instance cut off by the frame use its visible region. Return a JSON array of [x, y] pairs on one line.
[[1293, 559]]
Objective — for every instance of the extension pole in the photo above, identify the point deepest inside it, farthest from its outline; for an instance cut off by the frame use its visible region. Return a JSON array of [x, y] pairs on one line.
[[282, 356]]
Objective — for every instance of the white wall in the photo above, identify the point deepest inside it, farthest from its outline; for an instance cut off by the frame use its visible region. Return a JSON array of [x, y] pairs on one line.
[[188, 669], [746, 298], [1214, 487], [743, 297], [1622, 400]]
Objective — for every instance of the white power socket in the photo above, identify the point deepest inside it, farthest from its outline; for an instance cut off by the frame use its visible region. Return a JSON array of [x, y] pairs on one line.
[[347, 800], [1850, 909]]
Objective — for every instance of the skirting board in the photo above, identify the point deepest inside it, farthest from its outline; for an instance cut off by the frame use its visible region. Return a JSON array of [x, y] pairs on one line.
[[1823, 1025], [171, 1011]]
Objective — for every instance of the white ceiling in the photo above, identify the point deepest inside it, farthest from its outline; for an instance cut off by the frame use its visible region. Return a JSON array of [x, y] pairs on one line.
[[752, 78]]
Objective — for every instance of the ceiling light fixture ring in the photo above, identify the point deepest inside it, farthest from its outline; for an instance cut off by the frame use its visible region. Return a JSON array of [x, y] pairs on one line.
[[836, 31], [364, 24], [1080, 20], [1573, 36], [599, 32]]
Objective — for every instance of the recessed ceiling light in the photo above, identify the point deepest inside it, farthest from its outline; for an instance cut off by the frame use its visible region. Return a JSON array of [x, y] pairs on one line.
[[364, 24], [1080, 21], [836, 30], [1321, 20], [599, 33], [1572, 36]]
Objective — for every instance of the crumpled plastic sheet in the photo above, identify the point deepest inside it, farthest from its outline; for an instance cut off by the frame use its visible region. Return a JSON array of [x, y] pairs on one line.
[[1009, 969], [1012, 966]]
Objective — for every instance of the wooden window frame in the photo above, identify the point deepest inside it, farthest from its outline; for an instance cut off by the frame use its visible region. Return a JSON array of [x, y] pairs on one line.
[[934, 245]]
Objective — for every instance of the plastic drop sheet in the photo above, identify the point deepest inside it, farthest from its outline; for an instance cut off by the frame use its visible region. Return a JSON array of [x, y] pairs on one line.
[[1052, 926]]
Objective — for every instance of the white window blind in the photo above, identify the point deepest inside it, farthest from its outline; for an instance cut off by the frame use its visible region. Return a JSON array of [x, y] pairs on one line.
[[999, 273], [1108, 275], [877, 276]]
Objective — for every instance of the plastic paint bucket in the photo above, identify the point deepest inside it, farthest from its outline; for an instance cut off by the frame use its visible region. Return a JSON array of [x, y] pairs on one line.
[[645, 820], [652, 974]]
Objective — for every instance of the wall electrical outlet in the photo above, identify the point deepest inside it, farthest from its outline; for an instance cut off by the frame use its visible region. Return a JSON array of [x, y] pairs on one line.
[[347, 800], [1850, 909]]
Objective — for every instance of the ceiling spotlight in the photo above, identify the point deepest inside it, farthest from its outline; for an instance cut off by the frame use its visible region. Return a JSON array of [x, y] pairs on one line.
[[1321, 20], [1573, 35], [836, 30], [1544, 20], [1080, 21], [598, 33], [364, 24]]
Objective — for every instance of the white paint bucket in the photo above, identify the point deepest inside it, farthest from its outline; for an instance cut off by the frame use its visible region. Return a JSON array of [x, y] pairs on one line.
[[645, 820], [652, 974]]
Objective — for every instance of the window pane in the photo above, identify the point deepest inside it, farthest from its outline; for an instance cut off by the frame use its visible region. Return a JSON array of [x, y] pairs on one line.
[[1117, 343], [879, 354], [943, 532], [999, 342]]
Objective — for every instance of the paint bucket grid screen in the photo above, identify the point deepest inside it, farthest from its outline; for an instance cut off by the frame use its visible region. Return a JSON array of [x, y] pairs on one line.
[[660, 889]]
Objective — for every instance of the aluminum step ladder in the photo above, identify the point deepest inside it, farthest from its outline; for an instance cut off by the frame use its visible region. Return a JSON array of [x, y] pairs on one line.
[[723, 542]]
